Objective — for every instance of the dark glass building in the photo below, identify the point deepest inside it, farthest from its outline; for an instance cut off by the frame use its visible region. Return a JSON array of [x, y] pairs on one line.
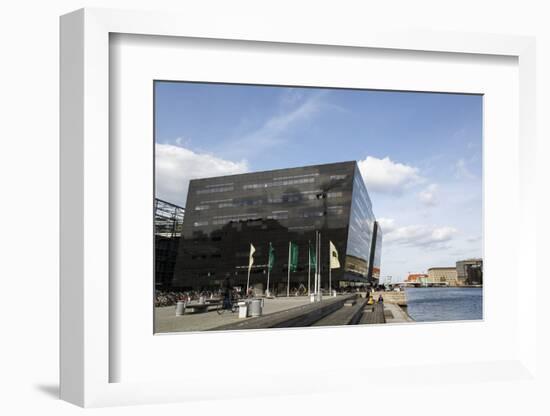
[[224, 215]]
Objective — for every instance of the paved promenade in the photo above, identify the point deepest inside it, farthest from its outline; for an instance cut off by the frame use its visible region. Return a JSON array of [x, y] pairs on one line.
[[395, 314], [167, 321], [286, 312]]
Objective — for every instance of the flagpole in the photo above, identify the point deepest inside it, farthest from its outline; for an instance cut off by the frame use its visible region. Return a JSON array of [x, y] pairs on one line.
[[329, 279], [316, 284], [288, 281], [250, 262], [308, 268], [268, 267], [329, 268], [319, 261], [248, 280]]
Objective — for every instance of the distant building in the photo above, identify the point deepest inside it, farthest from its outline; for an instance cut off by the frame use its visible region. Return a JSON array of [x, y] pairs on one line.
[[443, 276], [470, 271], [416, 278], [224, 215]]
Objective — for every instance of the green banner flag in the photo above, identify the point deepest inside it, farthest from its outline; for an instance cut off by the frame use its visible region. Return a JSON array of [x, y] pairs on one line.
[[271, 260], [312, 257], [293, 257]]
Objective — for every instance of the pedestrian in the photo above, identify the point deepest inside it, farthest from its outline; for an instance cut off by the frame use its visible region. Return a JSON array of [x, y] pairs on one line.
[[380, 299]]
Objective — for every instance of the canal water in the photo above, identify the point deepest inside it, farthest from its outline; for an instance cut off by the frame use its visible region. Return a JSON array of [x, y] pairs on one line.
[[444, 303]]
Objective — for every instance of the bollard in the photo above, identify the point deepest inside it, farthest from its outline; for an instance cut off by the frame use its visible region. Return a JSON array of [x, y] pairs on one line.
[[256, 307], [243, 309], [180, 308]]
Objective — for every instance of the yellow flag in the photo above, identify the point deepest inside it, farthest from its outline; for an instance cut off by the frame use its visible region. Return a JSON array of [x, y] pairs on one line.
[[251, 258], [334, 262]]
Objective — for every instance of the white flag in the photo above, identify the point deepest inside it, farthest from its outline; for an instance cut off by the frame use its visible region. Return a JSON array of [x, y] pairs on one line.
[[334, 263], [251, 258]]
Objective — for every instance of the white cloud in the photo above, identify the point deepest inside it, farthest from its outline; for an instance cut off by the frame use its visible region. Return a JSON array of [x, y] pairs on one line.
[[387, 225], [182, 141], [416, 235], [429, 195], [474, 239], [386, 176], [175, 166], [462, 171]]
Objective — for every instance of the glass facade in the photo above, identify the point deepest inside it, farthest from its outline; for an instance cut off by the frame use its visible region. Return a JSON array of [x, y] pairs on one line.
[[377, 256], [360, 235], [224, 215]]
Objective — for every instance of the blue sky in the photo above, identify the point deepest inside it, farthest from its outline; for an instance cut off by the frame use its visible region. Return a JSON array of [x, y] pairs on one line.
[[420, 154]]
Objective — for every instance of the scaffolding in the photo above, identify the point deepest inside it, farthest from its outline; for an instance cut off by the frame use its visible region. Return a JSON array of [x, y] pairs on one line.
[[168, 225], [168, 219]]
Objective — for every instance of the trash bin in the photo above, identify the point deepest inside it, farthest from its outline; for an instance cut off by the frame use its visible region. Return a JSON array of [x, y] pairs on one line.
[[243, 309], [180, 308], [256, 307]]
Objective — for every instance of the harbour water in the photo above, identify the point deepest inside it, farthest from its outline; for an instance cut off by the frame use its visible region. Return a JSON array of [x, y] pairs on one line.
[[444, 304]]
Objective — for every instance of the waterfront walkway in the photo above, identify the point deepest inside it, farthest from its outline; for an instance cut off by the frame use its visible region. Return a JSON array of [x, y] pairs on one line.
[[373, 314], [395, 314], [286, 312], [167, 321], [300, 316]]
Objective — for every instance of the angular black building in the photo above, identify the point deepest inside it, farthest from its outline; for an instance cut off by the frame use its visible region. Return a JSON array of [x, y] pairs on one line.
[[224, 215]]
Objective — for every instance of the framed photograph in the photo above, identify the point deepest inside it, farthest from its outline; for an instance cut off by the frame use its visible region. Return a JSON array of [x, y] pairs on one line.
[[265, 220], [268, 205]]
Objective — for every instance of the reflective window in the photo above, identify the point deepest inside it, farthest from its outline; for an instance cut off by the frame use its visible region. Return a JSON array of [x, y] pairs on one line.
[[296, 176], [278, 215], [309, 214], [278, 183], [217, 185], [335, 210], [302, 228], [214, 190]]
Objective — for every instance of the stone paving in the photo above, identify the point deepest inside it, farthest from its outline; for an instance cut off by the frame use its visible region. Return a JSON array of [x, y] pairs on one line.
[[167, 321], [395, 314]]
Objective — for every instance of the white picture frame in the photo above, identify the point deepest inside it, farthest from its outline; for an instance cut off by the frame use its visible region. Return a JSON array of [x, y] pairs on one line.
[[86, 166]]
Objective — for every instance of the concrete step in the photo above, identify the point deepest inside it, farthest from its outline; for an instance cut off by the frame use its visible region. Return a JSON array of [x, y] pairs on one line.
[[346, 315], [300, 316], [373, 314]]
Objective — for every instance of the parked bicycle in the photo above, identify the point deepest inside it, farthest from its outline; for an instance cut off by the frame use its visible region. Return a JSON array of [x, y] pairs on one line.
[[228, 305]]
